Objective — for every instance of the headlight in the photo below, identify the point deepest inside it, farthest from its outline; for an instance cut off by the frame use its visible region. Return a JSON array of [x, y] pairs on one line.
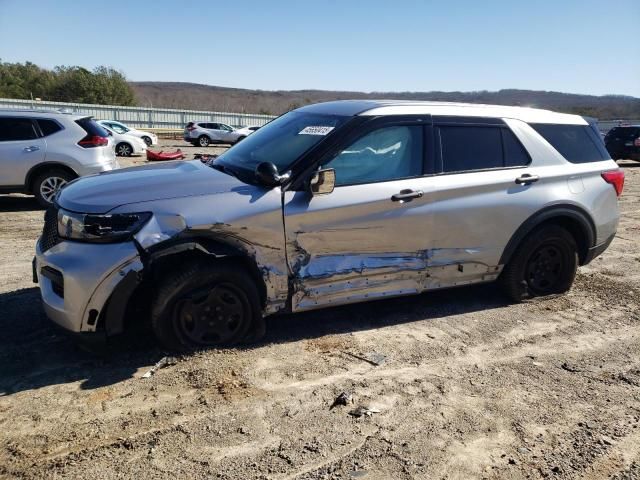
[[100, 228]]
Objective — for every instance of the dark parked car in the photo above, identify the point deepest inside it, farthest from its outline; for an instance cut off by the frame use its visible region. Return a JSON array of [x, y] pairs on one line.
[[624, 142]]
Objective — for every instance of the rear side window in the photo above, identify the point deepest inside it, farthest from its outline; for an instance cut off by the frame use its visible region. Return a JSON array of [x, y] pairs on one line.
[[465, 148], [92, 127], [13, 129], [514, 153], [48, 127], [574, 142]]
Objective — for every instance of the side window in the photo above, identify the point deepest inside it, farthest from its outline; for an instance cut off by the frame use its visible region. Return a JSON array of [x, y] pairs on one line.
[[515, 154], [12, 129], [48, 127], [573, 142], [470, 148], [389, 153], [214, 126]]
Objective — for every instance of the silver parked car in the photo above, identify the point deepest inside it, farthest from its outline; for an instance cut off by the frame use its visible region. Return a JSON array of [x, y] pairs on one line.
[[331, 204], [205, 133], [40, 151]]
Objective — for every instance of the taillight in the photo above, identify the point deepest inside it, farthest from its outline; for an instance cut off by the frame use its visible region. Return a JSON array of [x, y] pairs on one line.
[[615, 178], [636, 142], [92, 141]]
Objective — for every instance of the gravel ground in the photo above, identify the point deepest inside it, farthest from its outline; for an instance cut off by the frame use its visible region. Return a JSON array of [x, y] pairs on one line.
[[470, 387]]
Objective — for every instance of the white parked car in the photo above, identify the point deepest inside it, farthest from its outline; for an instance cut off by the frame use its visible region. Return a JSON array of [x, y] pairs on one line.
[[246, 131], [205, 133], [126, 144], [148, 137], [41, 151]]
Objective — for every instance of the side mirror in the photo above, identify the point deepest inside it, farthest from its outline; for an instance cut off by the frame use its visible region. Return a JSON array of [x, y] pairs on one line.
[[323, 182], [267, 174]]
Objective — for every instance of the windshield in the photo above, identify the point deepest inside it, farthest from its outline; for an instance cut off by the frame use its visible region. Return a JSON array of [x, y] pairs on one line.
[[281, 141], [119, 128]]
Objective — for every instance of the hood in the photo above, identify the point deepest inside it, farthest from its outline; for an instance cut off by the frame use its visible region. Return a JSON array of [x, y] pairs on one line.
[[106, 191]]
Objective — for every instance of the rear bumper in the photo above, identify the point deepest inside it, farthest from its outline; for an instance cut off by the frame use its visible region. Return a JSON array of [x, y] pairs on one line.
[[98, 168], [596, 251]]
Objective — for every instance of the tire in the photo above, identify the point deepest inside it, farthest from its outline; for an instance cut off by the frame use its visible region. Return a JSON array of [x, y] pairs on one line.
[[239, 140], [124, 150], [147, 140], [204, 141], [47, 184], [545, 263], [200, 290]]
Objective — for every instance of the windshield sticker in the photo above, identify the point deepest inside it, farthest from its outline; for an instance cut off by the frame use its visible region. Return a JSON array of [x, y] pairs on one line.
[[315, 130]]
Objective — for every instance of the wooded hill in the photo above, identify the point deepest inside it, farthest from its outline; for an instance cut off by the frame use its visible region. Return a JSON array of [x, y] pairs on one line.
[[195, 96]]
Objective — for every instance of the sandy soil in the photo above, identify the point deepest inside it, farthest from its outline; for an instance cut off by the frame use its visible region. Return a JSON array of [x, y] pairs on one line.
[[471, 386]]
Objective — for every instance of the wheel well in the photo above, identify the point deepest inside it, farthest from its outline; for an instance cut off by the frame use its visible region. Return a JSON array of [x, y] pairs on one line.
[[36, 171], [577, 231], [163, 264], [572, 219]]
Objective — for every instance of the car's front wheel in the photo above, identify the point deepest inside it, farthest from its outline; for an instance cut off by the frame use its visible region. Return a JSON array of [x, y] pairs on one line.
[[124, 150], [203, 141], [544, 263], [147, 140], [205, 305], [47, 184]]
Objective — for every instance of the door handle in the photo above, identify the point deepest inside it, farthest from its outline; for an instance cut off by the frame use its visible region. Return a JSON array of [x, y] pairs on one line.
[[406, 195], [527, 179], [32, 148]]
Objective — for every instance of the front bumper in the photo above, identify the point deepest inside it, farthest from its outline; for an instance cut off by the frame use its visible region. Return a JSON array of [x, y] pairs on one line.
[[77, 279]]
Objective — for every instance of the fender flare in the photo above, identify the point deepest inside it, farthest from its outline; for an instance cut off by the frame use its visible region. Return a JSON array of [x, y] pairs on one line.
[[578, 216], [115, 308]]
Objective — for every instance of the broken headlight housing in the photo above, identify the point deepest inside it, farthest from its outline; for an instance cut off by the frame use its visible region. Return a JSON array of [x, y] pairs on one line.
[[103, 228]]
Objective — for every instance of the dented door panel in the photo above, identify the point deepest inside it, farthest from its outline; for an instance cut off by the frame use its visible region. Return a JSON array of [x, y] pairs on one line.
[[357, 244]]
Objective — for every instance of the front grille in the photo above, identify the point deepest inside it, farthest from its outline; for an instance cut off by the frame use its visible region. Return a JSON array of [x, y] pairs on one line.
[[50, 236]]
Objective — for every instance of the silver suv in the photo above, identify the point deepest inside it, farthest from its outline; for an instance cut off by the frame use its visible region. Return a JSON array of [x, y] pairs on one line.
[[331, 204], [205, 133], [41, 151]]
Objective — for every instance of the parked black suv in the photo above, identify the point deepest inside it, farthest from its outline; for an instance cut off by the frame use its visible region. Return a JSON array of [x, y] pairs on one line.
[[624, 142]]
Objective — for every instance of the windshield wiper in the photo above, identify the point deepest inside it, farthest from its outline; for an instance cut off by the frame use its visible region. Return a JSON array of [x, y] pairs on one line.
[[224, 169]]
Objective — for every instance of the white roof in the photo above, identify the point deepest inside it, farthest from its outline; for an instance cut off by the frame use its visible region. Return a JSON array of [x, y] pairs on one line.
[[526, 114], [403, 107]]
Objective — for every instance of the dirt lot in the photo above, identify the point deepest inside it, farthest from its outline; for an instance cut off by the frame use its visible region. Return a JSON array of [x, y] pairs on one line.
[[471, 387]]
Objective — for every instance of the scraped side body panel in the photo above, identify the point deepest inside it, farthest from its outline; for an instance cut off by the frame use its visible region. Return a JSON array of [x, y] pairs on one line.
[[356, 244]]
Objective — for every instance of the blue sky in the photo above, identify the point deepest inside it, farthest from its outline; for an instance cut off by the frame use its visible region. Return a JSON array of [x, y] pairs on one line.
[[578, 46]]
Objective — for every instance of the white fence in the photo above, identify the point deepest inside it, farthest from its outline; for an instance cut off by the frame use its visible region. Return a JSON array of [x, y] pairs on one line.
[[171, 118], [142, 117]]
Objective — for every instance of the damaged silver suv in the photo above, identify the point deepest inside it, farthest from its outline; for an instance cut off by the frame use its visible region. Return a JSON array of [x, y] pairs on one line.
[[330, 204]]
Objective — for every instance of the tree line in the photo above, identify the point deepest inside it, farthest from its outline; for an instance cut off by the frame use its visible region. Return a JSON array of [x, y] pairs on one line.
[[206, 97], [102, 85]]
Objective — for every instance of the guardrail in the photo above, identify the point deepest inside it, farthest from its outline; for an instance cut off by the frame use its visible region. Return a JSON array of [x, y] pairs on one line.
[[168, 118], [142, 117]]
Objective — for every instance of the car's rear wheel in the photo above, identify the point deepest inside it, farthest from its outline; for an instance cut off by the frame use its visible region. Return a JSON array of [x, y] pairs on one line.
[[124, 150], [47, 184], [544, 263], [203, 141], [147, 140], [205, 305]]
